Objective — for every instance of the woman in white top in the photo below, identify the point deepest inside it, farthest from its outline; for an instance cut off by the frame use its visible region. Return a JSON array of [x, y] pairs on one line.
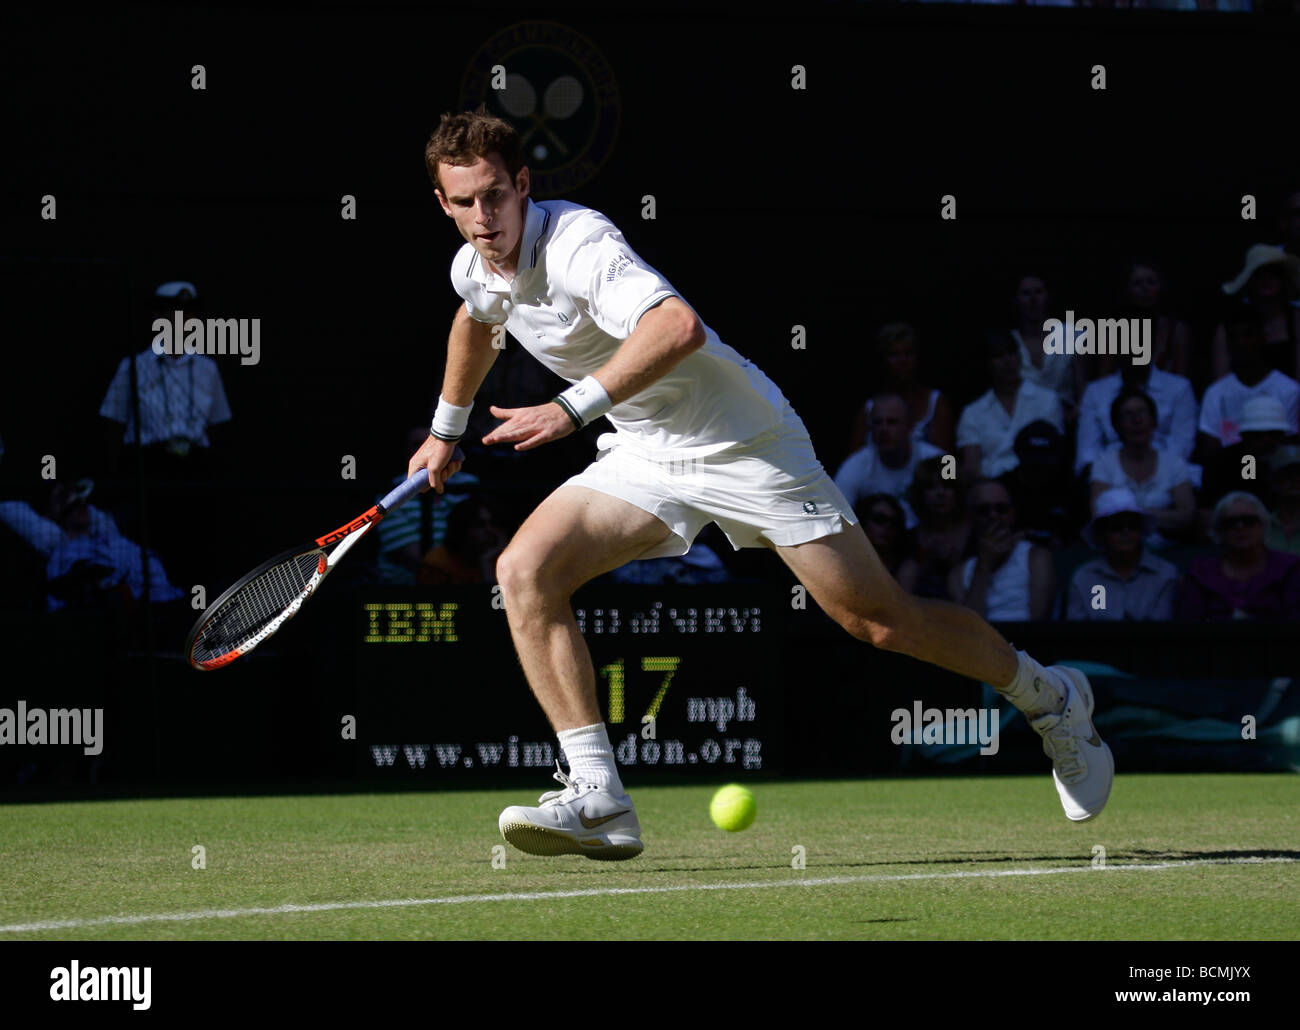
[[929, 412], [1010, 579], [1063, 374], [1160, 480]]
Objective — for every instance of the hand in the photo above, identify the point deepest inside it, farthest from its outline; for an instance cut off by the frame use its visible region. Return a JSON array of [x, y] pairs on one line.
[[996, 546], [531, 426], [442, 459]]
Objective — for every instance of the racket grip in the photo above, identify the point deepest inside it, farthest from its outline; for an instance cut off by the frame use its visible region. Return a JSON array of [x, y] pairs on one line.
[[417, 484]]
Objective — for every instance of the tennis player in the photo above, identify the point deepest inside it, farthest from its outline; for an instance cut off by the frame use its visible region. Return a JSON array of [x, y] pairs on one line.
[[700, 435]]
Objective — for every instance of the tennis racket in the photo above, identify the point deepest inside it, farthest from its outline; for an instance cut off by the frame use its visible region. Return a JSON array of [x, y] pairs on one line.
[[261, 602]]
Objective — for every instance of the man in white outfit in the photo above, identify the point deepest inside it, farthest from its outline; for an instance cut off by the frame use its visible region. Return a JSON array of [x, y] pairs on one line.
[[700, 435]]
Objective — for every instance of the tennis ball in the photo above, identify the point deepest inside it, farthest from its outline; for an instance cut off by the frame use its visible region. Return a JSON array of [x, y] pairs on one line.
[[733, 808]]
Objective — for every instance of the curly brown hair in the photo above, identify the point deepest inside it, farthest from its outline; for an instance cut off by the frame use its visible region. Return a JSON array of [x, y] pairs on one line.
[[461, 139]]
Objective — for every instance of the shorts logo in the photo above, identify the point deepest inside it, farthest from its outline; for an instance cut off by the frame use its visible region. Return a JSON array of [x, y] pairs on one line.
[[564, 318], [809, 507]]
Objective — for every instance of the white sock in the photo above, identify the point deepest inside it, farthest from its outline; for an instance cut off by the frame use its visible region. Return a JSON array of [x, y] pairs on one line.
[[1033, 691], [590, 756]]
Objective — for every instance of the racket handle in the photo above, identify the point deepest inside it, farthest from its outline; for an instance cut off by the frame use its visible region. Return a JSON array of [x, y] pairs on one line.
[[417, 484]]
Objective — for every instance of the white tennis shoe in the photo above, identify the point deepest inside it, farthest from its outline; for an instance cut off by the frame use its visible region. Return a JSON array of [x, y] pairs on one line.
[[582, 819], [1082, 766]]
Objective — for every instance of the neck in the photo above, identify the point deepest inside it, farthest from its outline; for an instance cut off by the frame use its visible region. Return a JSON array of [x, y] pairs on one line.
[[1250, 559], [1251, 374], [1123, 564], [897, 457]]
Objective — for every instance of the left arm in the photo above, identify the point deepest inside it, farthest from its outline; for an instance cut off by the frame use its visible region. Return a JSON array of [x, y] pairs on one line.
[[663, 338]]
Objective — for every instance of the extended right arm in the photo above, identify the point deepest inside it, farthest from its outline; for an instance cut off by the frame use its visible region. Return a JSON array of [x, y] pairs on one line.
[[470, 355]]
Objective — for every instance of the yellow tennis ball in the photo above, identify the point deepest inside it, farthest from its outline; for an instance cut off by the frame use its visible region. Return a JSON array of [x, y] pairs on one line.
[[733, 808]]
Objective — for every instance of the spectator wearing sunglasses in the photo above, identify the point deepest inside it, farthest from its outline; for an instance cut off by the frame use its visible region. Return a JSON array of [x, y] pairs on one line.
[[883, 521], [1246, 580], [1009, 579], [1137, 584]]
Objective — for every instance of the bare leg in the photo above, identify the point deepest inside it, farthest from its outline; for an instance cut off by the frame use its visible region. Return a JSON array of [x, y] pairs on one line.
[[846, 577], [574, 535]]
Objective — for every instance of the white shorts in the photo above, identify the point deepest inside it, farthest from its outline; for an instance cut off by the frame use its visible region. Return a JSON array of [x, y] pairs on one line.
[[771, 488]]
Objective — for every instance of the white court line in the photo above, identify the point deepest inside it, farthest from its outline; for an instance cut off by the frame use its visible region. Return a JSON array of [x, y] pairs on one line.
[[601, 892]]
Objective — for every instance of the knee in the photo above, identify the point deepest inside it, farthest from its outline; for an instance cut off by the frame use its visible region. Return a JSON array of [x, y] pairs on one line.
[[519, 574], [882, 626]]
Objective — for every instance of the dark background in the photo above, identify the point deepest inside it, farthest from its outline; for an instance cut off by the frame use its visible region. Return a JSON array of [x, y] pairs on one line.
[[775, 207]]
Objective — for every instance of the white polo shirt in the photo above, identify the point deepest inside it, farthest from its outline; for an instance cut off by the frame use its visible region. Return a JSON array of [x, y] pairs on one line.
[[985, 422], [1224, 398], [577, 295]]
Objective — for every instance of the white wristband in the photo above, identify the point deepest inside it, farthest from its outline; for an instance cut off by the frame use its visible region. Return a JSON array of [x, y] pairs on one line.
[[449, 420], [586, 399]]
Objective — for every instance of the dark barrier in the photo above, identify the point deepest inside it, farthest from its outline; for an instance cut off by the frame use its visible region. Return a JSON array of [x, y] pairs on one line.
[[421, 688]]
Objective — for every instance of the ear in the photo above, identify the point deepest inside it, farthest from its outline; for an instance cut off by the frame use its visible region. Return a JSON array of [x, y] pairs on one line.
[[523, 181], [442, 202]]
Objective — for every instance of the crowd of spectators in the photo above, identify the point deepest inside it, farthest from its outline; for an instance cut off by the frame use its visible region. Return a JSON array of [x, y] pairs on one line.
[[1099, 486]]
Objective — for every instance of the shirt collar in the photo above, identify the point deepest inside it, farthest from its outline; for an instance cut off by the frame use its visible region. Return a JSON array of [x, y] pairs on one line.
[[536, 221]]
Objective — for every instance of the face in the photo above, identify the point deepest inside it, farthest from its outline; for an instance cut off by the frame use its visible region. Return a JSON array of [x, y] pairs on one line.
[[990, 506], [487, 207], [1004, 365], [1286, 482], [1121, 535], [900, 360], [1244, 344], [1266, 284], [1240, 527], [1135, 424], [882, 526], [1143, 287], [888, 423], [940, 497], [1031, 299], [1262, 443]]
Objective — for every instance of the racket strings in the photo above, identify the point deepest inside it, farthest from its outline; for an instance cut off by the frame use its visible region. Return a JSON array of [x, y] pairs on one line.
[[263, 598]]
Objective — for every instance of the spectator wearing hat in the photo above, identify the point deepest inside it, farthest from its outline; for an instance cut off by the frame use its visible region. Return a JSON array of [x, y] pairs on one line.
[[1137, 585], [1246, 579], [88, 562], [1048, 503], [1263, 429], [886, 464], [1221, 407], [1284, 520], [929, 413], [942, 533], [181, 398], [1175, 401], [987, 429], [1009, 579], [1269, 288], [1160, 480], [1143, 297]]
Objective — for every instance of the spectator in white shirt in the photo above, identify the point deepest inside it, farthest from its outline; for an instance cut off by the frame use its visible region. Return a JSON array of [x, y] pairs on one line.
[[1063, 374], [181, 398], [1175, 401], [1160, 481], [1009, 579], [1269, 286], [886, 464], [987, 429], [1251, 376]]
